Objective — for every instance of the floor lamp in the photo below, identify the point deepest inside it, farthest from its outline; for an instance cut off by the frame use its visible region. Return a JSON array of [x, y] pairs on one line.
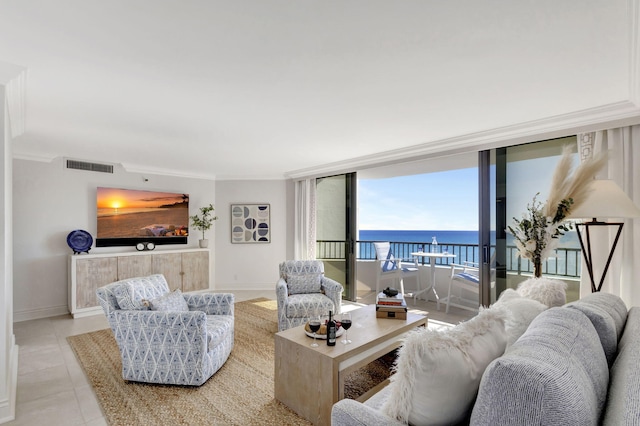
[[606, 200]]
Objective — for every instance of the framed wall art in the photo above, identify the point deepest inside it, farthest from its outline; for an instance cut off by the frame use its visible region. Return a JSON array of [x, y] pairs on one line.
[[250, 223]]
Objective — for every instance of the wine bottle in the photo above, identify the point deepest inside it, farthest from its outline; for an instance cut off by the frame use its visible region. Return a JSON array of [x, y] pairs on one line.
[[331, 331]]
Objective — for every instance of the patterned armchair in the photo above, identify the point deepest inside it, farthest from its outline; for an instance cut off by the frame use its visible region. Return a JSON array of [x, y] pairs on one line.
[[168, 337], [303, 291]]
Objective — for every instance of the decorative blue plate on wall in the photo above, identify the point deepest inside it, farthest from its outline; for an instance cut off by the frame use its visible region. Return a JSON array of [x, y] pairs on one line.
[[79, 241]]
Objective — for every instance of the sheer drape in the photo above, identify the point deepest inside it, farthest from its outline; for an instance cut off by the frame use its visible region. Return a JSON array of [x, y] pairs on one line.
[[623, 167], [304, 246]]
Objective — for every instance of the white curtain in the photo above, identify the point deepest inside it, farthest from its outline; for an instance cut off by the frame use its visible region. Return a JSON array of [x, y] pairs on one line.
[[623, 167], [304, 247]]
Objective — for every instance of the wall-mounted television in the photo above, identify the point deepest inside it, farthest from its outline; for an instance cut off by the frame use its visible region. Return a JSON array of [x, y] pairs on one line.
[[127, 217]]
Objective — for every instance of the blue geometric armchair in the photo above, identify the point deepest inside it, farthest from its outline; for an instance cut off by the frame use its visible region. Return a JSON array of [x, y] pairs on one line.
[[168, 337], [303, 291]]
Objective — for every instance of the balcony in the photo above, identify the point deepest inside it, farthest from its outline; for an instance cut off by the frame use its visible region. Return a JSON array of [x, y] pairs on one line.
[[565, 265]]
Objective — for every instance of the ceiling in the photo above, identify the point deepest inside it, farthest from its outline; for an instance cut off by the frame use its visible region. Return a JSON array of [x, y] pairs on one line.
[[274, 88]]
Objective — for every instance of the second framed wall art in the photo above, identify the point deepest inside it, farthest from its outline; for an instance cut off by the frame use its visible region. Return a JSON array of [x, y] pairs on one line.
[[250, 223]]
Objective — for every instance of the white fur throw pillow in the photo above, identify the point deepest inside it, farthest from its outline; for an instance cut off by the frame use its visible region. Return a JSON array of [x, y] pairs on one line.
[[522, 311], [550, 292], [438, 372]]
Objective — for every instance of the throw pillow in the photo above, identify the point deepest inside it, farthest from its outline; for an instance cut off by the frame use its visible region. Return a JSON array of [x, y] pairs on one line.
[[521, 311], [130, 292], [390, 264], [550, 292], [438, 372], [304, 283], [173, 302]]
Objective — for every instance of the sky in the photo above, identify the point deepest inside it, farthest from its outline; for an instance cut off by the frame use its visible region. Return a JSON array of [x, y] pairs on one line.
[[131, 198], [446, 200]]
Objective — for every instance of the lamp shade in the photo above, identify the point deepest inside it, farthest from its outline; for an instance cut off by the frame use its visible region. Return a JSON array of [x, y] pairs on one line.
[[605, 200]]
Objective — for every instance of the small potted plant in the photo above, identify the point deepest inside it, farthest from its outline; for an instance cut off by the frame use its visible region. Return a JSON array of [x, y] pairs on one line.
[[203, 222]]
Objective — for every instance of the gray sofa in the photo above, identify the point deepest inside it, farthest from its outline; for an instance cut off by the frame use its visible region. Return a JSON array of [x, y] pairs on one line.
[[574, 365]]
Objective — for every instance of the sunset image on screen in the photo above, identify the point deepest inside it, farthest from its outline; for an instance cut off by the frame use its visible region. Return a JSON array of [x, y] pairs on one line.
[[128, 213]]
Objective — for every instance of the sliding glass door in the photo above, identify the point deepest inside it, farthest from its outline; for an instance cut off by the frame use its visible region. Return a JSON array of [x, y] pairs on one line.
[[336, 229], [510, 178]]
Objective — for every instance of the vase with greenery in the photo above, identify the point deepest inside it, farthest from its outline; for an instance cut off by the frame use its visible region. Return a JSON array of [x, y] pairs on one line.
[[536, 234], [203, 222]]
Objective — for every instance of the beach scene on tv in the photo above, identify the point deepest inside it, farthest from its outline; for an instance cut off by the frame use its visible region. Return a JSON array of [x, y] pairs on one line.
[[128, 213]]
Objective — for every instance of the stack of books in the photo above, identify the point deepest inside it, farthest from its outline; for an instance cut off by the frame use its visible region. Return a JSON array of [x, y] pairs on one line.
[[391, 306]]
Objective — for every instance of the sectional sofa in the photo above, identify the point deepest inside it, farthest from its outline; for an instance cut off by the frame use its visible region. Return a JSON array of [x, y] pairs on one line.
[[550, 363]]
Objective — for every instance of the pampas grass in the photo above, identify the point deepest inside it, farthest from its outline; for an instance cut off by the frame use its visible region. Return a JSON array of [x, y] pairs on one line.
[[574, 187], [536, 234]]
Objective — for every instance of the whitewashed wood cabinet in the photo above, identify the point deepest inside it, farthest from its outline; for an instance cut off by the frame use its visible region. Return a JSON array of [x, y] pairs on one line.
[[187, 270]]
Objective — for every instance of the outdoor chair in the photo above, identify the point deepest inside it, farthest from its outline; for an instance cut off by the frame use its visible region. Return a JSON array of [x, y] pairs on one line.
[[392, 269], [303, 291], [168, 337], [465, 281]]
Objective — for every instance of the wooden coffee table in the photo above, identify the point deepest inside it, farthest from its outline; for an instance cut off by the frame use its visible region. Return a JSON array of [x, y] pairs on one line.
[[310, 380]]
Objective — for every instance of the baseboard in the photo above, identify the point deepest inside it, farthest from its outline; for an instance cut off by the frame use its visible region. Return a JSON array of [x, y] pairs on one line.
[[32, 314], [8, 405]]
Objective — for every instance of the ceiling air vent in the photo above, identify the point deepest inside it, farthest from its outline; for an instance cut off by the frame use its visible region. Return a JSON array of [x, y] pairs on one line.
[[90, 167]]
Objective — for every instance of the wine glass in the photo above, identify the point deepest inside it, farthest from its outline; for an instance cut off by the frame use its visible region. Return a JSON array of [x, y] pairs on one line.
[[314, 326], [346, 324]]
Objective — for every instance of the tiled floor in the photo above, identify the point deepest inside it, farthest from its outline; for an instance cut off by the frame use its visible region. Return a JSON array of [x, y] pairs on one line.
[[52, 388]]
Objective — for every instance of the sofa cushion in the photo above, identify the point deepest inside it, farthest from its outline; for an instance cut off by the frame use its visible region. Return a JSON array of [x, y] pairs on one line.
[[550, 292], [521, 311], [131, 292], [623, 404], [437, 372], [555, 374], [612, 304], [299, 283], [604, 324], [347, 412], [172, 302], [307, 305]]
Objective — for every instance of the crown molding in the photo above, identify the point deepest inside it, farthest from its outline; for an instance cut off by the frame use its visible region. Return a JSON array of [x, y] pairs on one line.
[[220, 178], [613, 115], [14, 79], [138, 168], [33, 157]]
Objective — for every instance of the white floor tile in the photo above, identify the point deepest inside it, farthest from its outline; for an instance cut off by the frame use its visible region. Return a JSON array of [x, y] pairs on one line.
[[47, 357], [43, 382], [60, 409]]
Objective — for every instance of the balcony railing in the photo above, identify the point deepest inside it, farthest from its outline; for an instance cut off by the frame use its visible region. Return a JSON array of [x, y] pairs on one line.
[[565, 263]]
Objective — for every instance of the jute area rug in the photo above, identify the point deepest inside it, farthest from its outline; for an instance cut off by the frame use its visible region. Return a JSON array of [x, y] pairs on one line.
[[240, 393]]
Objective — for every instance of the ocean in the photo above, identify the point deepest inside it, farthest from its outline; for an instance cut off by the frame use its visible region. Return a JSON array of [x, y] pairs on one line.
[[443, 237], [570, 240]]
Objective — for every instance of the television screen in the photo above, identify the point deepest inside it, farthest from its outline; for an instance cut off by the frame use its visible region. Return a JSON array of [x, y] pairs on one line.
[[129, 216]]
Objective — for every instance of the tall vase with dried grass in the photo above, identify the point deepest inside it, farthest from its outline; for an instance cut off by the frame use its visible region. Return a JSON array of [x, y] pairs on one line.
[[538, 231]]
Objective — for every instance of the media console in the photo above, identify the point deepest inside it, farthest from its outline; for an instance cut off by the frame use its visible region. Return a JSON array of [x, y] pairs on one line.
[[187, 270]]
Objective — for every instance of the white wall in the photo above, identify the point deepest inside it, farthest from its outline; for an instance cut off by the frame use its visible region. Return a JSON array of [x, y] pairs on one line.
[[8, 348], [49, 202], [253, 266]]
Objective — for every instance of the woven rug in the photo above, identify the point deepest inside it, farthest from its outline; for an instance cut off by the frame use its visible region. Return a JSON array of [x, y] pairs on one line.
[[240, 393]]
